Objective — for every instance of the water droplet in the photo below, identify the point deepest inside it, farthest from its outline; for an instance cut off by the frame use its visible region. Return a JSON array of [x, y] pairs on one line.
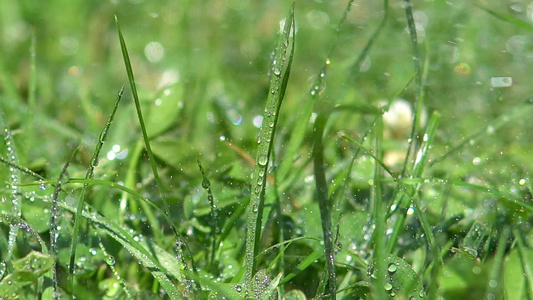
[[392, 268], [277, 71], [388, 286], [263, 159]]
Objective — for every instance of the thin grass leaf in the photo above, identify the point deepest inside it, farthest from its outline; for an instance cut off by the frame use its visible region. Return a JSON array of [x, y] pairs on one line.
[[516, 113], [507, 18], [356, 67], [54, 214], [213, 221], [496, 291], [81, 199], [278, 84], [306, 262], [180, 244], [418, 81], [324, 203]]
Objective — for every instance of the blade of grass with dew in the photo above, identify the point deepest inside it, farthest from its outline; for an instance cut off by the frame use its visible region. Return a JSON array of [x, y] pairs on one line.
[[14, 177], [324, 203], [213, 222], [506, 18], [298, 133], [278, 84], [418, 82], [110, 260], [53, 216], [180, 243], [89, 175], [138, 248]]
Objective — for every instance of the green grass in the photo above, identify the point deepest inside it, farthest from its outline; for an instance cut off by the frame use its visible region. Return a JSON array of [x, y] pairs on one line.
[[254, 152]]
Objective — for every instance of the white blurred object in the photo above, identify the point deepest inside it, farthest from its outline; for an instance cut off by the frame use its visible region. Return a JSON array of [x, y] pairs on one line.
[[398, 120]]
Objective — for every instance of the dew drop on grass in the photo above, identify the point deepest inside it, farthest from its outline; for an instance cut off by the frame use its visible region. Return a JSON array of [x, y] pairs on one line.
[[392, 268], [388, 286], [277, 71], [262, 161]]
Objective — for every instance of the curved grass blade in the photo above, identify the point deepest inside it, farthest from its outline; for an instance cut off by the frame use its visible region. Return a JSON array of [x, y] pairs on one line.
[[138, 248], [53, 226], [278, 84], [518, 112], [180, 244], [496, 272], [506, 18], [81, 199], [324, 203]]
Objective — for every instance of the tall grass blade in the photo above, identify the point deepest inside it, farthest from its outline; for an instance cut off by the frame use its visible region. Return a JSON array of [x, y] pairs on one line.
[[418, 81], [278, 84], [53, 217], [324, 203], [379, 220], [180, 244], [89, 175]]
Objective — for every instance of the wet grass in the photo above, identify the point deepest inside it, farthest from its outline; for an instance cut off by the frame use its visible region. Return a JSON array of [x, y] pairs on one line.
[[206, 186]]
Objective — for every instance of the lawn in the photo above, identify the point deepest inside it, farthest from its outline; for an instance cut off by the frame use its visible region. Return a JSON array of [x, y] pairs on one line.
[[253, 149]]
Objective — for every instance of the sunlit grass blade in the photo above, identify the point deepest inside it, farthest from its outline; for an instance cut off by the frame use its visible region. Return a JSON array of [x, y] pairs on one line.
[[306, 262], [507, 18], [180, 244], [278, 83], [54, 214], [324, 203], [89, 175]]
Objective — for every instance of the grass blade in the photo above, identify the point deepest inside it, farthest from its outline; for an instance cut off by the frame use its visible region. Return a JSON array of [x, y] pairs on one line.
[[324, 203], [179, 240], [278, 83], [53, 216], [506, 18], [89, 175], [206, 184]]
